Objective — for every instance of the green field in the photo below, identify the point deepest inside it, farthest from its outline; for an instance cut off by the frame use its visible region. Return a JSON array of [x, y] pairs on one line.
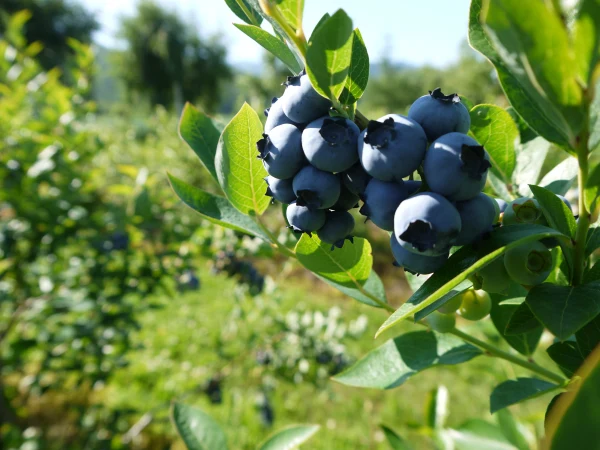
[[194, 336]]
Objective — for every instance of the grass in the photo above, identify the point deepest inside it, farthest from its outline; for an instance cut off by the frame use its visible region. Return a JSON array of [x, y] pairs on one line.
[[194, 336]]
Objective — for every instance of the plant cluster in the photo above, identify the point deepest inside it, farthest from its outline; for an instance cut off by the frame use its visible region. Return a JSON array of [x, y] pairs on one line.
[[552, 85]]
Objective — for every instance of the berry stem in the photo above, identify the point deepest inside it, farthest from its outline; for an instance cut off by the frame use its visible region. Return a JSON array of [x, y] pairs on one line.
[[494, 351], [274, 242], [582, 176]]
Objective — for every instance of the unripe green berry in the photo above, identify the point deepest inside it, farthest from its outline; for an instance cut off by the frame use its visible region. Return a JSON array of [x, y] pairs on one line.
[[476, 304], [442, 323], [528, 264], [493, 278], [451, 306], [523, 210]]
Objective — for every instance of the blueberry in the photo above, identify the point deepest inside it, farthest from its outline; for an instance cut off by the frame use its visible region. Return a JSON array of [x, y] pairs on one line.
[[356, 179], [476, 304], [523, 210], [493, 278], [427, 223], [415, 263], [381, 199], [412, 186], [281, 151], [451, 305], [280, 190], [304, 220], [300, 102], [528, 264], [392, 149], [276, 116], [477, 218], [442, 323], [316, 189], [347, 199], [119, 240], [338, 227], [456, 167], [440, 114], [330, 143]]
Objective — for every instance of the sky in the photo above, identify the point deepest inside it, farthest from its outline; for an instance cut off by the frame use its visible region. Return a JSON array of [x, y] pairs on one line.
[[408, 31]]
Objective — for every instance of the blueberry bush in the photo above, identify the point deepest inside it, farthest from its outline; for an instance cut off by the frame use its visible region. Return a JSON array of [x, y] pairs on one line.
[[458, 186]]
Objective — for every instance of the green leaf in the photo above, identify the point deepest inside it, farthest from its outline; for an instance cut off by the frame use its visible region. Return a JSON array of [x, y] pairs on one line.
[[215, 208], [588, 337], [586, 38], [522, 321], [502, 313], [197, 429], [558, 215], [241, 174], [291, 10], [478, 435], [201, 134], [349, 266], [329, 54], [593, 240], [358, 74], [526, 133], [573, 421], [322, 20], [565, 309], [414, 281], [394, 439], [592, 274], [464, 263], [391, 364], [499, 187], [276, 27], [530, 160], [495, 129], [436, 407], [541, 83], [513, 430], [516, 391], [289, 438], [567, 355], [272, 44], [594, 140], [373, 287], [253, 19], [592, 189], [560, 179]]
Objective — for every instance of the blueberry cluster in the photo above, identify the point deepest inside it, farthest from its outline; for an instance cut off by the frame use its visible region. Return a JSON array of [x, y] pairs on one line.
[[309, 156]]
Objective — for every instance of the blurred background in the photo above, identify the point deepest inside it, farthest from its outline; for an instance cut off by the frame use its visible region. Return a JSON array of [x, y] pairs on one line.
[[116, 299]]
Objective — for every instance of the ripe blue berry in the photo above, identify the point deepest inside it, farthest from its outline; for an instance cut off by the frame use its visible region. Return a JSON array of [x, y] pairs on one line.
[[356, 179], [381, 199], [456, 167], [477, 218], [275, 116], [412, 186], [300, 102], [338, 227], [347, 199], [392, 149], [528, 264], [302, 219], [316, 189], [427, 223], [330, 143], [416, 263], [281, 151], [440, 114], [280, 190]]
